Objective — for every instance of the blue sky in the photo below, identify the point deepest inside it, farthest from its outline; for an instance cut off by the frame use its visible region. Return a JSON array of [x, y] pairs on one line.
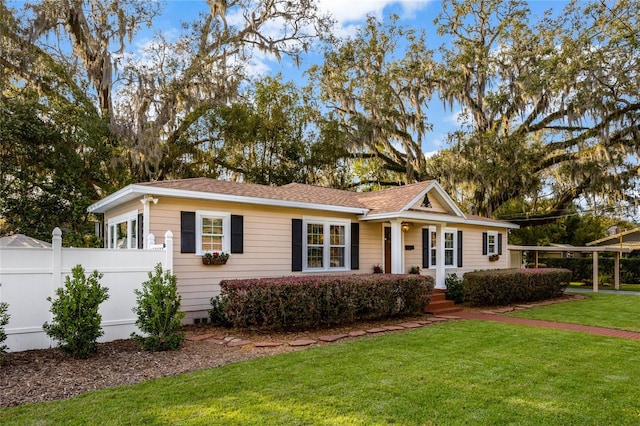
[[349, 15]]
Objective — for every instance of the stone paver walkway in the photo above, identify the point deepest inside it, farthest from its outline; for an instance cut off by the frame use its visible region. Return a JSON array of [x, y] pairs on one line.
[[601, 331], [329, 338]]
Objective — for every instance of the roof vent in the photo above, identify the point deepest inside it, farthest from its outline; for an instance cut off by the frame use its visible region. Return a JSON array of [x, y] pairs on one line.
[[426, 202]]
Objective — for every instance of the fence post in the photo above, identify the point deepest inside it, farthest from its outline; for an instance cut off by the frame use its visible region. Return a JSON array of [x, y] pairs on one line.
[[151, 240], [168, 246], [56, 266]]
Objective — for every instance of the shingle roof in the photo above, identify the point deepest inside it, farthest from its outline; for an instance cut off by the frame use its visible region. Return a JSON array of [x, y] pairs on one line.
[[292, 192], [385, 200], [375, 204], [21, 240], [392, 199]]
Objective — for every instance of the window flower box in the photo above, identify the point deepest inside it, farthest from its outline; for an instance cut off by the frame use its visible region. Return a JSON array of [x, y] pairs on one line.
[[215, 258], [494, 257]]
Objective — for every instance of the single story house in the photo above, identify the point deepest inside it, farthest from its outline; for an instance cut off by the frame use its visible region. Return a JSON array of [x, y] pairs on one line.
[[299, 229]]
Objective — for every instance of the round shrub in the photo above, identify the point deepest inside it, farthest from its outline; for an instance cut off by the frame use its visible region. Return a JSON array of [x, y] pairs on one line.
[[76, 321], [158, 310]]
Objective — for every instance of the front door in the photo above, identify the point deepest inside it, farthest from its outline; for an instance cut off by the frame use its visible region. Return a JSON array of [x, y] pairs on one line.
[[387, 250]]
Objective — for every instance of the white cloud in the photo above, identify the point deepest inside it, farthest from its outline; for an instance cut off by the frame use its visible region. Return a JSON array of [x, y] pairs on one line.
[[345, 11]]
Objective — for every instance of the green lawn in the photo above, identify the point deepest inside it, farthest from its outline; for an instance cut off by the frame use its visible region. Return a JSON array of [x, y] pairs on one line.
[[603, 310], [464, 372], [623, 287]]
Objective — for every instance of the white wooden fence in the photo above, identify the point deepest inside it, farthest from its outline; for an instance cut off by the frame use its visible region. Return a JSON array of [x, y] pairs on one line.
[[29, 275]]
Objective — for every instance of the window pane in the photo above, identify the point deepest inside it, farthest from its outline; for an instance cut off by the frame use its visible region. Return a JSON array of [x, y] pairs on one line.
[[121, 235], [315, 233], [448, 257], [337, 235], [211, 243], [314, 257], [448, 240], [434, 240], [134, 233], [337, 257], [211, 226], [434, 257]]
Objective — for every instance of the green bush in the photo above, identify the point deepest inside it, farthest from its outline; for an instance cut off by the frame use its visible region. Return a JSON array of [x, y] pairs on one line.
[[455, 288], [218, 308], [76, 321], [158, 310], [4, 320], [507, 286], [582, 267], [317, 301]]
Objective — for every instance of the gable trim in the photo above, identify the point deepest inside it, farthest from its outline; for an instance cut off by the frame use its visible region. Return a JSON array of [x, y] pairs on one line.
[[449, 204]]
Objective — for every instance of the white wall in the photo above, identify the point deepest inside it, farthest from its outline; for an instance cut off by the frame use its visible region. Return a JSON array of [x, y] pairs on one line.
[[29, 275]]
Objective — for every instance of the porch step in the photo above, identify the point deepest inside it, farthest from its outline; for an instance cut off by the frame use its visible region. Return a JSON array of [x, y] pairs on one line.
[[439, 305]]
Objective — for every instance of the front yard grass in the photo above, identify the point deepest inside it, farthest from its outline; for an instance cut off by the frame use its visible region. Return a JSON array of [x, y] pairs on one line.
[[623, 287], [617, 311], [463, 372]]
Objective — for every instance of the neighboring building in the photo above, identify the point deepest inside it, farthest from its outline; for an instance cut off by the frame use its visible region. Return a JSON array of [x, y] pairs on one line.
[[300, 229], [627, 240], [21, 240]]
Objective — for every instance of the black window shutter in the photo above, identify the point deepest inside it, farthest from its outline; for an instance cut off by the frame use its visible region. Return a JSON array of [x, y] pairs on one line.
[[426, 255], [484, 243], [187, 232], [355, 246], [499, 243], [459, 249], [296, 245], [237, 234], [140, 235]]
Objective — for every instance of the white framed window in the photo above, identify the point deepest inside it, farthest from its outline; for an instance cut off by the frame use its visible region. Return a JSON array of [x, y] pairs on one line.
[[122, 231], [325, 244], [433, 244], [492, 243], [450, 249], [213, 232]]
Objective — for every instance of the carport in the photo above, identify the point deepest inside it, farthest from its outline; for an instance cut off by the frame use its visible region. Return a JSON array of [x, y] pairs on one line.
[[593, 250]]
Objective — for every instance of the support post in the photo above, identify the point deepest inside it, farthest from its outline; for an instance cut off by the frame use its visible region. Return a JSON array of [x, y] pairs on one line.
[[440, 270], [616, 270], [595, 272], [146, 218], [396, 247]]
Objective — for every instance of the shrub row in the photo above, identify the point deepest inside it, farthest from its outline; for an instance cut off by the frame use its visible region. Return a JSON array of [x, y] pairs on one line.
[[582, 267], [506, 286], [317, 301]]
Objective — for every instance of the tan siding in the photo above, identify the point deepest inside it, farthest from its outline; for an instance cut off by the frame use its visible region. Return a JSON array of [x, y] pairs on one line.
[[413, 237], [267, 247]]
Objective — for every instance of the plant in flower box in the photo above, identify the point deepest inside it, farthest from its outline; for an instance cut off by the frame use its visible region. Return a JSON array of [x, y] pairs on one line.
[[215, 258]]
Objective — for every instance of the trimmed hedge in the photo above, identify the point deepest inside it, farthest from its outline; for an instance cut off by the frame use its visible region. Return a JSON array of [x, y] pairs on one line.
[[318, 301], [507, 286], [582, 267]]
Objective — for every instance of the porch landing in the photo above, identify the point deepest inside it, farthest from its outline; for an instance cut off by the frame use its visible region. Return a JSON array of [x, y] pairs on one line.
[[439, 305]]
